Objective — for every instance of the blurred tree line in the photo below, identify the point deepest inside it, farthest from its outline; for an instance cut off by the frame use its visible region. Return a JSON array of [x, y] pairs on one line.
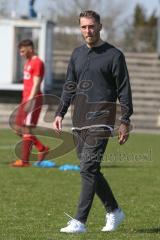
[[141, 34], [136, 33]]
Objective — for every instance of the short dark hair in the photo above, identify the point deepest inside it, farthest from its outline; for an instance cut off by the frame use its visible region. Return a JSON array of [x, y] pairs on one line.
[[90, 14], [26, 43]]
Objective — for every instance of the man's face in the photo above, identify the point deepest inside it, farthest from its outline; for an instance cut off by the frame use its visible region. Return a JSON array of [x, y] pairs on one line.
[[90, 30], [26, 52]]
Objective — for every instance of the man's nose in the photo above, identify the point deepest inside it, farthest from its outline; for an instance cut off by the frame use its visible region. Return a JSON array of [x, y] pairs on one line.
[[88, 30]]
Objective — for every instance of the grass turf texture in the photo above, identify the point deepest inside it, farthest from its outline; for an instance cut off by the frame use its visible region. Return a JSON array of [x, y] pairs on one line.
[[32, 200]]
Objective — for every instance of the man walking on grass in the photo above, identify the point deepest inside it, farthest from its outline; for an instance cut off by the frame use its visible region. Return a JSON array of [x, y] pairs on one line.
[[30, 108], [96, 77]]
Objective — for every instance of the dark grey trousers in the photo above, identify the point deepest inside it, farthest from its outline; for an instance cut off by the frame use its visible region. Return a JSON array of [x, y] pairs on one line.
[[90, 145]]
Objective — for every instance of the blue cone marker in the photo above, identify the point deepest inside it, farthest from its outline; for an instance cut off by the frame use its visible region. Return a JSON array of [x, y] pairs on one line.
[[44, 164], [67, 167]]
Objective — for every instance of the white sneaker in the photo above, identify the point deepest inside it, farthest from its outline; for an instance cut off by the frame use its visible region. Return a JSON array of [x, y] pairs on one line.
[[74, 226], [113, 220]]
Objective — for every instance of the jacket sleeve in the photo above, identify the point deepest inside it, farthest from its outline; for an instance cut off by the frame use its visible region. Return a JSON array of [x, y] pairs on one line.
[[69, 89], [124, 93]]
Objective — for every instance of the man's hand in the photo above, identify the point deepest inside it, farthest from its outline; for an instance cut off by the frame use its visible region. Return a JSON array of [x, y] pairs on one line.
[[18, 130], [28, 106], [57, 124], [123, 133]]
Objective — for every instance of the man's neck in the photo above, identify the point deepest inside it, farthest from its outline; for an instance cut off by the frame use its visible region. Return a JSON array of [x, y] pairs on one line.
[[97, 44]]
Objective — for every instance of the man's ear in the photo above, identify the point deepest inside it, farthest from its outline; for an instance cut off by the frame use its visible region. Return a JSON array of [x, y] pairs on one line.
[[30, 48], [100, 27]]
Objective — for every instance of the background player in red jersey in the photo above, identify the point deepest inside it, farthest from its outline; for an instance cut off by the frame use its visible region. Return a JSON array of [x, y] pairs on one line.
[[30, 108]]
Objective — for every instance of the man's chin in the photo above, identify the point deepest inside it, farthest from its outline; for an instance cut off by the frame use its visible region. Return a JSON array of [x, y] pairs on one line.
[[91, 43]]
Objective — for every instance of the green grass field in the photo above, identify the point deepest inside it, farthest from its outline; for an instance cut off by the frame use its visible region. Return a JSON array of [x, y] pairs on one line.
[[33, 200]]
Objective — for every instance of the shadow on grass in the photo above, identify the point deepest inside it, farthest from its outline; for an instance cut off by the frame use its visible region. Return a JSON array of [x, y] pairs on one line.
[[9, 164], [123, 166], [102, 166], [149, 230]]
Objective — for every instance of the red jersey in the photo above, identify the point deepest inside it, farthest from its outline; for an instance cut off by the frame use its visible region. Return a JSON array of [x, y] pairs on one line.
[[33, 67]]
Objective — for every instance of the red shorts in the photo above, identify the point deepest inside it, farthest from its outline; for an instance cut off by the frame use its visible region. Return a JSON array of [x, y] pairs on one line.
[[24, 118]]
